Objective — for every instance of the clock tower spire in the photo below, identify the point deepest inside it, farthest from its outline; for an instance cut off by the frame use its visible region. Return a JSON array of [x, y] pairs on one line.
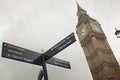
[[80, 11], [101, 60]]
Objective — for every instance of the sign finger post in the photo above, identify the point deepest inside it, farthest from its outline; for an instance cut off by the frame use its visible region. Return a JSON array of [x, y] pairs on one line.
[[24, 55]]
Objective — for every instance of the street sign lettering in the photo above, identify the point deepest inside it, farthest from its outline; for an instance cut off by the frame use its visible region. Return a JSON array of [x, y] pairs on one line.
[[21, 54], [60, 46], [59, 62], [18, 53]]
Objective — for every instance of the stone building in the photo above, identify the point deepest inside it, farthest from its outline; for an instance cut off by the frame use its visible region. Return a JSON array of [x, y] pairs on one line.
[[99, 55]]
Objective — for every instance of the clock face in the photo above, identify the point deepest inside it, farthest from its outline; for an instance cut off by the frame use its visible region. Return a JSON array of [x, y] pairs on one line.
[[82, 32], [95, 27]]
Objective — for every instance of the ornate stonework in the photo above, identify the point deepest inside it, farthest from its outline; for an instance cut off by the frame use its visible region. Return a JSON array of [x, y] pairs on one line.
[[102, 63]]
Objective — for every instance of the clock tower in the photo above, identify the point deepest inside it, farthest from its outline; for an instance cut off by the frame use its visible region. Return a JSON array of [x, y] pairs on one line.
[[101, 60]]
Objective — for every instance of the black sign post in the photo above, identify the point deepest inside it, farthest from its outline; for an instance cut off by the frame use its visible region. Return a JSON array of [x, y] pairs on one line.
[[60, 46], [44, 69], [59, 62], [40, 75], [20, 54], [24, 55], [56, 49]]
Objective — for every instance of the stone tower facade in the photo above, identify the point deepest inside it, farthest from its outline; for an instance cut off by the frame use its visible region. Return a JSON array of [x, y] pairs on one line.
[[101, 60]]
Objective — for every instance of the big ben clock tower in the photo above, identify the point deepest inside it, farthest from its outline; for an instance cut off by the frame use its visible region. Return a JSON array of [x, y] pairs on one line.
[[99, 55]]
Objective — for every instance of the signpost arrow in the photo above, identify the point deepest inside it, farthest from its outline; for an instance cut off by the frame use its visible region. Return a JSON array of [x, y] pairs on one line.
[[58, 47], [59, 62], [17, 53], [21, 54]]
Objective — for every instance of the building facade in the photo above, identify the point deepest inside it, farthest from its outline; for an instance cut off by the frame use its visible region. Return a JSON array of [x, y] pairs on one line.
[[101, 60]]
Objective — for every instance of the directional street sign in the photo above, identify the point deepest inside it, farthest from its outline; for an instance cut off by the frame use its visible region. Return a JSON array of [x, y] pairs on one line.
[[18, 53], [59, 62], [58, 47], [21, 54]]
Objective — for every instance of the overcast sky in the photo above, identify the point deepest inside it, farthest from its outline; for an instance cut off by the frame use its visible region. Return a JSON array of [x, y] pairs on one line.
[[40, 24]]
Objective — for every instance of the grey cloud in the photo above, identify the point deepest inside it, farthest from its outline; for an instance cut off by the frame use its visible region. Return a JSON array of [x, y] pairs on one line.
[[41, 24]]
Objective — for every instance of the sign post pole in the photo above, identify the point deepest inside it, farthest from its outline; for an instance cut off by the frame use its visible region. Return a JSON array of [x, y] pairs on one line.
[[21, 54], [40, 75], [44, 66]]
